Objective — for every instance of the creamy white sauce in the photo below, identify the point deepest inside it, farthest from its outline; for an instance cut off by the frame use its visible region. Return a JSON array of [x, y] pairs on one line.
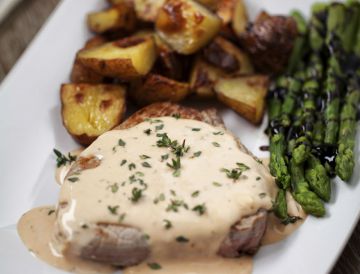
[[103, 195]]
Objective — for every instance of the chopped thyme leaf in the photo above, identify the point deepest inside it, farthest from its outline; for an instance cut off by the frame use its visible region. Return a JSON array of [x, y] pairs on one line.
[[121, 143], [195, 193], [168, 224], [84, 226], [123, 162], [122, 217], [217, 184], [182, 239], [200, 209], [164, 157], [51, 211], [196, 129], [259, 161], [136, 194], [258, 178], [176, 115], [147, 131], [159, 127], [73, 179], [132, 166], [218, 133], [242, 167], [172, 192], [146, 236], [175, 204], [176, 165], [139, 173], [62, 160], [196, 154], [262, 195], [114, 188], [176, 173], [143, 157], [113, 209], [160, 198], [146, 164], [215, 144], [154, 266]]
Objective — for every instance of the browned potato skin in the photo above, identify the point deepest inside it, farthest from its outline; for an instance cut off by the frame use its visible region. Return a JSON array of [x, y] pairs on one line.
[[115, 2], [82, 74], [147, 10], [125, 19], [225, 55], [254, 85], [186, 26], [117, 67], [156, 88], [79, 91], [203, 77], [269, 42]]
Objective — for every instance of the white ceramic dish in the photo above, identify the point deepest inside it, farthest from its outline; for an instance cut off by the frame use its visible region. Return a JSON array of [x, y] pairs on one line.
[[30, 127]]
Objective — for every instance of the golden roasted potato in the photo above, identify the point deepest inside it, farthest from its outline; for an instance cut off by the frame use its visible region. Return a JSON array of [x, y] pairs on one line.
[[126, 58], [269, 41], [225, 10], [118, 17], [147, 10], [210, 4], [240, 18], [186, 25], [82, 74], [225, 55], [89, 110], [203, 77], [157, 88], [115, 2], [244, 94]]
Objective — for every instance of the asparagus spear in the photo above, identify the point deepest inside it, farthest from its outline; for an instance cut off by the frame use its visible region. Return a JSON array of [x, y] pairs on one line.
[[345, 157], [309, 201]]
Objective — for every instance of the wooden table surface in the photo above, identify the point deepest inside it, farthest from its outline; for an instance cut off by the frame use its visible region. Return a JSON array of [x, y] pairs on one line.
[[17, 31]]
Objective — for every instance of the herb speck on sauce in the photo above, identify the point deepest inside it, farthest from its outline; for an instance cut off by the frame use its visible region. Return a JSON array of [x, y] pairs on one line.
[[218, 133], [121, 143], [136, 194], [195, 193], [175, 204], [62, 160], [114, 188], [51, 211], [154, 266], [168, 224], [164, 157], [235, 173], [113, 209], [259, 161], [258, 178], [262, 195], [84, 226], [159, 127], [139, 173], [196, 154], [200, 209], [160, 198], [182, 239], [123, 162], [146, 164], [196, 129], [147, 131], [73, 179], [217, 184], [176, 116], [122, 217], [215, 144], [144, 157], [132, 166]]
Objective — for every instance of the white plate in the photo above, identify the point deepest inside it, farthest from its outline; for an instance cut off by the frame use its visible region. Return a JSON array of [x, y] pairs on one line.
[[30, 127]]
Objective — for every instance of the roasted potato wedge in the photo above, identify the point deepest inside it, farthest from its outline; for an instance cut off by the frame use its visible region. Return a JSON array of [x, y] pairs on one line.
[[225, 55], [82, 74], [186, 25], [240, 18], [203, 77], [147, 10], [244, 94], [90, 110], [269, 41], [117, 18], [157, 88], [225, 10], [126, 58], [210, 4]]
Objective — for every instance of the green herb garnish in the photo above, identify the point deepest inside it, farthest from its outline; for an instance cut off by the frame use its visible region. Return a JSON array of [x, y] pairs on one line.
[[147, 131], [168, 224], [200, 209], [218, 133], [136, 194], [146, 164], [114, 188], [62, 160], [215, 144], [217, 184], [195, 193], [121, 143], [113, 209], [143, 157], [182, 239], [73, 179], [132, 166], [154, 266], [159, 127], [196, 129], [123, 162]]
